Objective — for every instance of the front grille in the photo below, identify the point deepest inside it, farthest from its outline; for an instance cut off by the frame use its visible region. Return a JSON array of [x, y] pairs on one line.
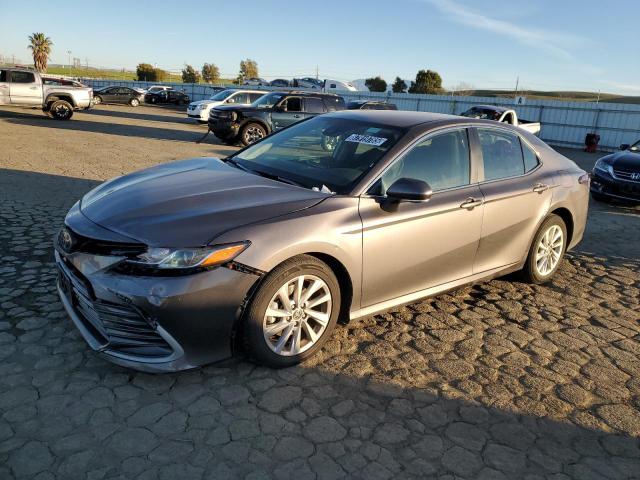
[[123, 328], [79, 243], [627, 175]]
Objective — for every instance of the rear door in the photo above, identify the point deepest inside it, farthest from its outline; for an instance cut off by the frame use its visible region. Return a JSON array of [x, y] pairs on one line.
[[287, 113], [4, 88], [123, 95], [110, 95], [517, 195], [313, 106], [24, 88]]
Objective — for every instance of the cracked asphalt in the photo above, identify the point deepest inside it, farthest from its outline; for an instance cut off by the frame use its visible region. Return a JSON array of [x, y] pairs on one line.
[[499, 380]]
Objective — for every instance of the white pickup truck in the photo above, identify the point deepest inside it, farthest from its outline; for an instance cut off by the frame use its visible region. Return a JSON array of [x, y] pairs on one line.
[[23, 87], [502, 114]]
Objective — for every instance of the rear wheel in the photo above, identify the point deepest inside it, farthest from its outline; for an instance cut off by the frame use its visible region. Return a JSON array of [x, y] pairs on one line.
[[293, 312], [547, 251], [134, 102], [97, 100], [252, 132], [61, 110]]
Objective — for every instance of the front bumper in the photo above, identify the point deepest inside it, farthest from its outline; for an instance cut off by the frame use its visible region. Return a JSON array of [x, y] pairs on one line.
[[615, 188], [199, 114], [153, 324], [225, 129]]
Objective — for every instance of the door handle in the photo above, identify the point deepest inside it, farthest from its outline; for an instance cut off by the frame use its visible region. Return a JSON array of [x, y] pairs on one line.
[[296, 116], [33, 88], [470, 203], [540, 187]]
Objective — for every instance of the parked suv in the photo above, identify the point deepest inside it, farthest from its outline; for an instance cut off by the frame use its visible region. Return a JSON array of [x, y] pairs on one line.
[[250, 123], [200, 110], [24, 87]]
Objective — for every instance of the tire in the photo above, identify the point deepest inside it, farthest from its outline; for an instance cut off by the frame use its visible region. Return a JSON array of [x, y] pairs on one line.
[[296, 323], [252, 132], [535, 269], [598, 197], [97, 100], [61, 110], [134, 102]]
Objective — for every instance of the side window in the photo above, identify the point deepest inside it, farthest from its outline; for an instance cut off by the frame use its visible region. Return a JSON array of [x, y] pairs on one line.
[[293, 104], [333, 85], [241, 98], [314, 105], [22, 77], [501, 153], [124, 91], [3, 75], [530, 158], [442, 161], [254, 96]]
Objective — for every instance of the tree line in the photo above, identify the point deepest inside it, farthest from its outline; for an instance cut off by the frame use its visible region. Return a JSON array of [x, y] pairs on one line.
[[427, 81], [209, 73]]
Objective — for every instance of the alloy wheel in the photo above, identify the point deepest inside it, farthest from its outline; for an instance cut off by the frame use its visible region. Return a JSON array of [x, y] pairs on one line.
[[297, 315], [62, 111], [253, 134], [549, 250]]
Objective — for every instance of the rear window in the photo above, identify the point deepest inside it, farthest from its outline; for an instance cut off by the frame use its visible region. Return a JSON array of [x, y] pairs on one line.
[[3, 75], [334, 103], [314, 105]]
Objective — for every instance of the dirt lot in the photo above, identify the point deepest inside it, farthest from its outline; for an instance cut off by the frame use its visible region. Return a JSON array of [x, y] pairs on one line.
[[500, 380]]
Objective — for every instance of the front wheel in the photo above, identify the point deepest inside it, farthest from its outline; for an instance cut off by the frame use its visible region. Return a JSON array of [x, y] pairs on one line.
[[293, 312], [61, 110], [134, 102], [547, 251], [97, 100], [252, 132]]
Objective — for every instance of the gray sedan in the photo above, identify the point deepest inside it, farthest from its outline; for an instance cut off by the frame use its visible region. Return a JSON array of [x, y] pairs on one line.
[[334, 218]]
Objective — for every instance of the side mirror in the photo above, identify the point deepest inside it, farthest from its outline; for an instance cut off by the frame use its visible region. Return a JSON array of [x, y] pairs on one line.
[[231, 100], [624, 146], [409, 189]]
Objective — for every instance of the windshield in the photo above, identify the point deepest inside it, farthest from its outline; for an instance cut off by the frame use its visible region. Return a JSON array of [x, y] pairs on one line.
[[635, 147], [323, 153], [482, 113], [218, 97], [268, 101]]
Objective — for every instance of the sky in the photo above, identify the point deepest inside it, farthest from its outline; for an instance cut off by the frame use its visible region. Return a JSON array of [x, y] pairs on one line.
[[583, 45]]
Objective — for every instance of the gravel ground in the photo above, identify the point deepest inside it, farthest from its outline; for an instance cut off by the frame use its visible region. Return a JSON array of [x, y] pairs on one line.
[[499, 380]]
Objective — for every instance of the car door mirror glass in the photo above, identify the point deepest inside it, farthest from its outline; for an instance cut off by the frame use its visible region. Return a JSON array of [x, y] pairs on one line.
[[410, 189]]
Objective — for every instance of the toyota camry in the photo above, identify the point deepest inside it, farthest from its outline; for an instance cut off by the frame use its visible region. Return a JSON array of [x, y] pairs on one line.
[[337, 217]]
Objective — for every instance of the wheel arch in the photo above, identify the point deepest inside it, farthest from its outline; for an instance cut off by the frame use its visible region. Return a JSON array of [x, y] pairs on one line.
[[259, 121], [567, 217], [56, 96]]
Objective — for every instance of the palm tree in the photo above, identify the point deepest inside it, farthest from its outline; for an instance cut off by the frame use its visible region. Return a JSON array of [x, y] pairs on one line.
[[41, 48]]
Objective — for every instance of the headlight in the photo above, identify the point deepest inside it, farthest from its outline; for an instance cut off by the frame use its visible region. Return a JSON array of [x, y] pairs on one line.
[[603, 165], [185, 258]]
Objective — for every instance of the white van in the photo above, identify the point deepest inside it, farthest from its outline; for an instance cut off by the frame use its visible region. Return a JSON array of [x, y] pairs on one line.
[[200, 110]]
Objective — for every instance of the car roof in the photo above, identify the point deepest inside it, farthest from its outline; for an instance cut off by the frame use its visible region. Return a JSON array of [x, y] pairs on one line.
[[399, 118], [491, 107]]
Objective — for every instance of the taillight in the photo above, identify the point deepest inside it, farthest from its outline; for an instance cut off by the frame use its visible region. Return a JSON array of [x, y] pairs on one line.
[[584, 178]]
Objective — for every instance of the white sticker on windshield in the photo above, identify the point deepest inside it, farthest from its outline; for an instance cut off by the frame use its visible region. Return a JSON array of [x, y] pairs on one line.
[[366, 139]]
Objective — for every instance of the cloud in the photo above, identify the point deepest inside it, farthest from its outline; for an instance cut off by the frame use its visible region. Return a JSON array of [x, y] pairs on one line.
[[550, 42]]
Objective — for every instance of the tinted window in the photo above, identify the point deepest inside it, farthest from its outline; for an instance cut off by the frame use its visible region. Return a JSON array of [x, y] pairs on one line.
[[124, 91], [530, 158], [334, 103], [3, 75], [442, 161], [241, 98], [254, 96], [314, 105], [22, 77], [293, 104], [501, 153]]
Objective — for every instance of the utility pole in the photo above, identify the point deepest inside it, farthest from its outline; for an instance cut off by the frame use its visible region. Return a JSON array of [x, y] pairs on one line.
[[69, 54], [517, 83], [86, 64]]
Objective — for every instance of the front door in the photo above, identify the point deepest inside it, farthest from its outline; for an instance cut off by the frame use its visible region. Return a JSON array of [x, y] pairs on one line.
[[24, 89], [287, 113], [517, 197], [409, 247]]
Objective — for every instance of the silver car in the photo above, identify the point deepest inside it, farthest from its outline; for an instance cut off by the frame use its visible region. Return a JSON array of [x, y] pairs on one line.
[[336, 217]]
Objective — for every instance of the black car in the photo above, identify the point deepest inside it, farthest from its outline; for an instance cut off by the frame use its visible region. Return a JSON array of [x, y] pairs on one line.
[[167, 96], [280, 82], [617, 176], [371, 105], [124, 95], [250, 123]]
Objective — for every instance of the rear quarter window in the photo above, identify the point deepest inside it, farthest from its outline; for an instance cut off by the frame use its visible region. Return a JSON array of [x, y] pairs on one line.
[[530, 157]]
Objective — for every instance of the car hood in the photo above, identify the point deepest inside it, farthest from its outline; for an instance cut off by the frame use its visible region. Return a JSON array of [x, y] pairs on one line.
[[241, 108], [206, 102], [189, 203], [626, 160]]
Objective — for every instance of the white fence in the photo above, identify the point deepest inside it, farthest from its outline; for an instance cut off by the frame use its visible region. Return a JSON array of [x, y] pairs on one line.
[[563, 123]]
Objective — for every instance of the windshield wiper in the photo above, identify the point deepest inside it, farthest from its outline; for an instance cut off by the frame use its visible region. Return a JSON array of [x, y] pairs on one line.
[[278, 178], [236, 164]]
